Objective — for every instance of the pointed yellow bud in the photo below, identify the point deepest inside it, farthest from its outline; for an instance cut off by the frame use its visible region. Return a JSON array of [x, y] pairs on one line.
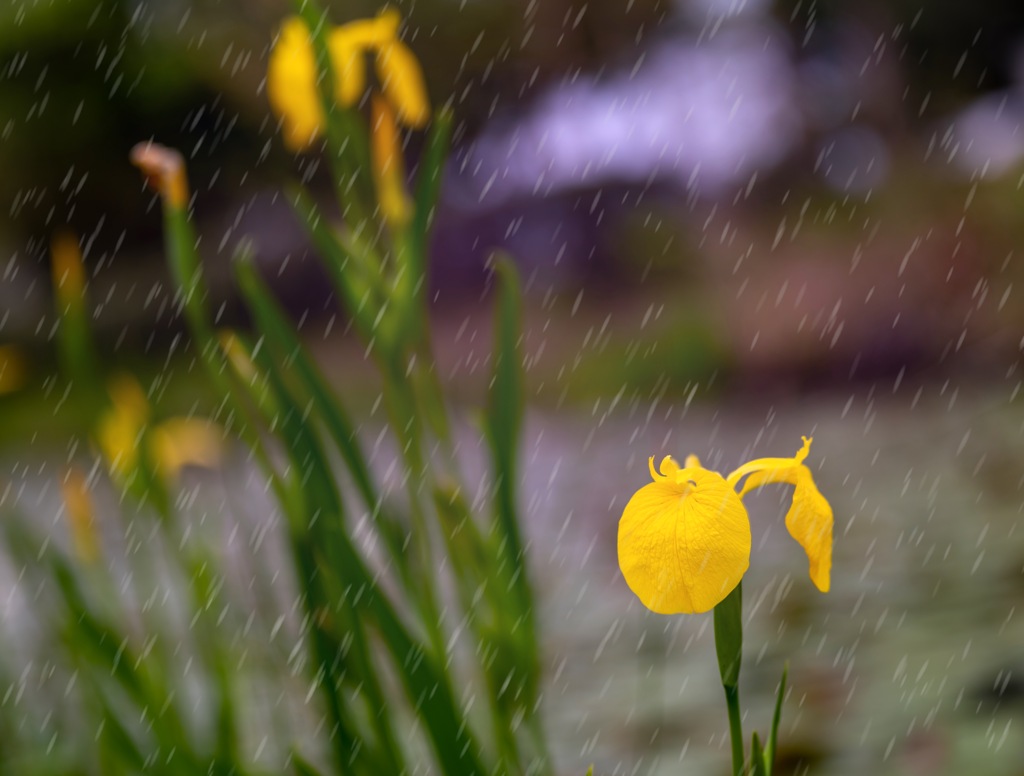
[[81, 515], [120, 429], [388, 165], [164, 169]]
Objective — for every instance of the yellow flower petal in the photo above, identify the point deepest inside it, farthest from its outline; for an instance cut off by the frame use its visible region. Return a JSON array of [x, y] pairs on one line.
[[180, 442], [809, 519], [684, 543], [668, 469], [121, 427], [402, 81], [291, 85], [693, 462], [348, 61], [770, 464]]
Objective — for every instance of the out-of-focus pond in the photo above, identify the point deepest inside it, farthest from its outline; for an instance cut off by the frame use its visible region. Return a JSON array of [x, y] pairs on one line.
[[910, 665]]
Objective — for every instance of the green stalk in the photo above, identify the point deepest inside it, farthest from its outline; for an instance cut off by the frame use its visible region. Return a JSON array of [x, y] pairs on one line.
[[729, 648], [732, 702], [401, 407]]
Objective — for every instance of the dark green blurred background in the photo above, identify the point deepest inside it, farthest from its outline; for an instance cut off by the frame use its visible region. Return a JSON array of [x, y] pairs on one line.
[[736, 222], [878, 120]]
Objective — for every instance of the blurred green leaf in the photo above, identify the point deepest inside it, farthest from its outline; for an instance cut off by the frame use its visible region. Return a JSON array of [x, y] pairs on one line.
[[356, 278], [428, 187]]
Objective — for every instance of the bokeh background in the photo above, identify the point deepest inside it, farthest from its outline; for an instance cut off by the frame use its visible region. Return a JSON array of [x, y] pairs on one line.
[[737, 222]]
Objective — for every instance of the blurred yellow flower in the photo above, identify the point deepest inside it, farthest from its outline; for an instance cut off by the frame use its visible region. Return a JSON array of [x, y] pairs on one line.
[[126, 438], [684, 540], [292, 74]]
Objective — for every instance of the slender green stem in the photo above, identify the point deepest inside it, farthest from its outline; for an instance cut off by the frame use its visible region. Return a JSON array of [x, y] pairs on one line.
[[729, 648], [732, 701]]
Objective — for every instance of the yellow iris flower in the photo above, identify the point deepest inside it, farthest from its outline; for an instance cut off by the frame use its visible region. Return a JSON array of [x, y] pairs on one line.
[[684, 540], [292, 74], [124, 432]]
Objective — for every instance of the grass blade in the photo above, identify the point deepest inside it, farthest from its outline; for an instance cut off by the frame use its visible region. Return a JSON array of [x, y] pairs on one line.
[[757, 766], [769, 753]]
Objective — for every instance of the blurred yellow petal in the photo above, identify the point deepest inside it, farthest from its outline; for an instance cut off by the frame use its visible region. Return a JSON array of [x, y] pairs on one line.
[[291, 85], [388, 165], [349, 62], [180, 442], [809, 519], [402, 81], [684, 542], [693, 462], [120, 428], [81, 515]]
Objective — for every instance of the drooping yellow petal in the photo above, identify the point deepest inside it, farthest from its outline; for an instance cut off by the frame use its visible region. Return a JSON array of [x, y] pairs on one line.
[[291, 85], [809, 519], [684, 543], [388, 165], [179, 442], [402, 81], [348, 58]]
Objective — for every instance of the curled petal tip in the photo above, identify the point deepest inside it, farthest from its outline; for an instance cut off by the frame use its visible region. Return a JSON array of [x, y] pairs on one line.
[[164, 169], [654, 473]]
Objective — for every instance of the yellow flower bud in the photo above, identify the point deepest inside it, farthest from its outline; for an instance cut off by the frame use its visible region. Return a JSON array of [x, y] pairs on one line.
[[388, 166]]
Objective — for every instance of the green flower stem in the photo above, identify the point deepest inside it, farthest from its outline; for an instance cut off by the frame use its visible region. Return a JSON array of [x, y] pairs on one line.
[[401, 407], [732, 702], [729, 648]]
